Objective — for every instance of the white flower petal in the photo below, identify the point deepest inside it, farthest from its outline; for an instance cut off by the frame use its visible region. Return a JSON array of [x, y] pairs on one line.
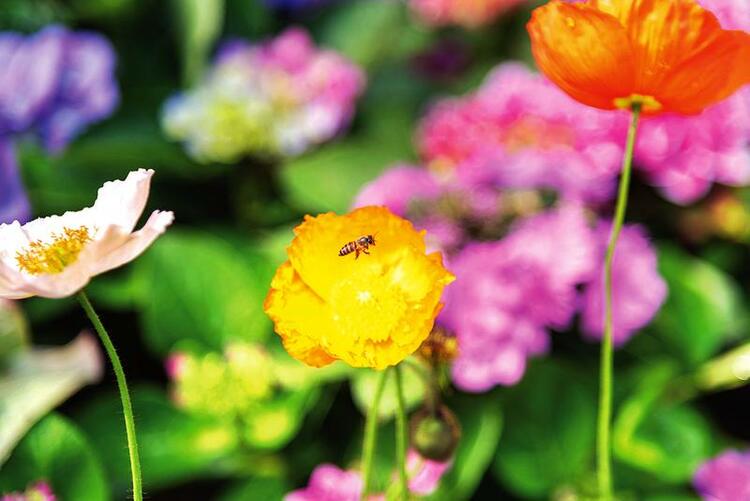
[[135, 243], [121, 203]]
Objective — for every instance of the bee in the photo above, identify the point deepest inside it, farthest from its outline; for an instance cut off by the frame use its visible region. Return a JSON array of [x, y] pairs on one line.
[[362, 244]]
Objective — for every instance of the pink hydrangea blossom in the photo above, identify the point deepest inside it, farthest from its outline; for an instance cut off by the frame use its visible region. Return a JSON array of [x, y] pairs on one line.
[[461, 12], [724, 478], [638, 290], [509, 293], [518, 130], [275, 98], [398, 187]]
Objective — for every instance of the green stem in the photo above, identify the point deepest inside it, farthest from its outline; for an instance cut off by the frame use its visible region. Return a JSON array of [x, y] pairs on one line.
[[604, 441], [401, 435], [135, 463], [371, 432]]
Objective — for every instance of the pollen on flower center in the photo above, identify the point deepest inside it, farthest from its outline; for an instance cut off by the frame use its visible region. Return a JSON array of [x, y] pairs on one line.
[[647, 103], [366, 307], [49, 258]]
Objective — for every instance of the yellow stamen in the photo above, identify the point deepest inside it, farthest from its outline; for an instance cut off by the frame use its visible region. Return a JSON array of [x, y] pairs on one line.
[[648, 103], [50, 258]]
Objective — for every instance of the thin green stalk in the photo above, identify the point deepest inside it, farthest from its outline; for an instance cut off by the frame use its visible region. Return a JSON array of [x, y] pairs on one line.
[[127, 408], [371, 432], [401, 436], [604, 440]]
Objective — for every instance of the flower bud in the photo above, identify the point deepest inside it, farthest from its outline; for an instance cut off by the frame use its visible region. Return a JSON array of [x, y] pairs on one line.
[[435, 435]]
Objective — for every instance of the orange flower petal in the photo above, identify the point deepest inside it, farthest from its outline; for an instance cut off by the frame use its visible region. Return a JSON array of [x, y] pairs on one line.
[[584, 51], [301, 318], [672, 56], [681, 52]]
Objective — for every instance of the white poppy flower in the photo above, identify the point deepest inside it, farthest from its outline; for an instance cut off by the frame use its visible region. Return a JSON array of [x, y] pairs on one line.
[[57, 256]]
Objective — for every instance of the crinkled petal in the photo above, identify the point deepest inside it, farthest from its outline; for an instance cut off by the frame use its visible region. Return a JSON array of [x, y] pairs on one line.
[[134, 243], [584, 51], [314, 252], [300, 316]]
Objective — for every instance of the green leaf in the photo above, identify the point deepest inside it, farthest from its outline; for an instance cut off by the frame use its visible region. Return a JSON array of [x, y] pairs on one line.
[[272, 424], [358, 30], [14, 331], [174, 446], [57, 452], [549, 437], [329, 178], [667, 441], [481, 421], [199, 24], [702, 310], [364, 383], [257, 488], [204, 289], [37, 381]]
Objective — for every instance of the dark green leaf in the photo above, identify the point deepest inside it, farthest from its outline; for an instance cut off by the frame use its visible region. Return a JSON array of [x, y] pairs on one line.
[[549, 437]]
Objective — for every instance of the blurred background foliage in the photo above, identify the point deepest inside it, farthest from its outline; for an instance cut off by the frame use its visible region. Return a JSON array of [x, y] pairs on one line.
[[201, 288]]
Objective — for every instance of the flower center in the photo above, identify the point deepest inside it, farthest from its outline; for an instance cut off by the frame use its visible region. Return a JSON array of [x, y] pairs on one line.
[[366, 307], [534, 133], [647, 103], [53, 257]]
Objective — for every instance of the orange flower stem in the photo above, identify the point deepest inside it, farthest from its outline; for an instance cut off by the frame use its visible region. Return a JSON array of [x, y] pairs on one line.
[[401, 435], [127, 407], [604, 441], [371, 433]]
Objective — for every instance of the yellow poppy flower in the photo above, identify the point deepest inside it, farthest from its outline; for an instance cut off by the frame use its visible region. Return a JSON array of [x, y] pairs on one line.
[[371, 307]]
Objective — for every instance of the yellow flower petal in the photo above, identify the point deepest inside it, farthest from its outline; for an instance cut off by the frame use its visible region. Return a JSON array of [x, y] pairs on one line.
[[371, 311], [300, 316], [314, 252]]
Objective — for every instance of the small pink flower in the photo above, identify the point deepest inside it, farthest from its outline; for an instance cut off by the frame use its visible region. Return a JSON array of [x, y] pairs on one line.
[[330, 483], [424, 474], [724, 478], [175, 365]]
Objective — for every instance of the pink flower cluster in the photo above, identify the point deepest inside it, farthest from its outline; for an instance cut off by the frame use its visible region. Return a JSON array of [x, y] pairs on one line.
[[470, 14], [725, 477], [511, 292], [518, 130], [274, 98], [330, 483], [532, 276]]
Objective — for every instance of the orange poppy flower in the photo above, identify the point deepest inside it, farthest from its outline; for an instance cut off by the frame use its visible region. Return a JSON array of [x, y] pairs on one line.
[[666, 55]]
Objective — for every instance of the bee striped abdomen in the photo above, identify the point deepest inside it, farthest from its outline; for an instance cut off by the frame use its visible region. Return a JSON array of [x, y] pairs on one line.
[[348, 249]]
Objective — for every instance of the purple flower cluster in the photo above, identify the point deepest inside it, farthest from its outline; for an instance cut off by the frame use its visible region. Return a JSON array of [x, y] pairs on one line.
[[511, 292], [725, 477], [53, 84]]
